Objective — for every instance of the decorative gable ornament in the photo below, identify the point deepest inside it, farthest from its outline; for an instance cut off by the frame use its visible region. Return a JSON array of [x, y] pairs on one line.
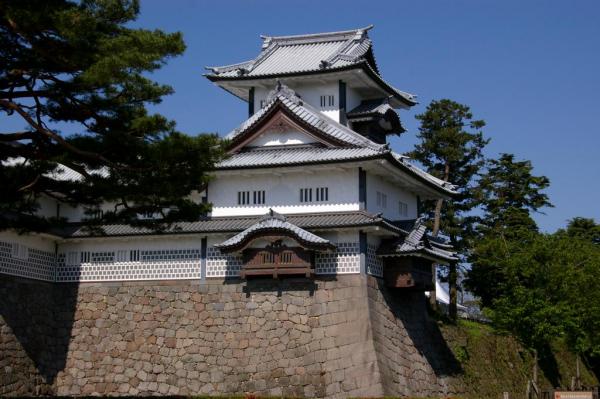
[[282, 90]]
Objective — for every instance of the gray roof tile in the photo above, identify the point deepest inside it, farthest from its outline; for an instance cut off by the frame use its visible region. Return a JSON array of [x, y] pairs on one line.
[[275, 222], [281, 55], [233, 225], [294, 156], [307, 113], [416, 242]]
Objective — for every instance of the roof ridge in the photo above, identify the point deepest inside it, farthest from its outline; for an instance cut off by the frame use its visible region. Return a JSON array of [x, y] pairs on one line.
[[306, 36]]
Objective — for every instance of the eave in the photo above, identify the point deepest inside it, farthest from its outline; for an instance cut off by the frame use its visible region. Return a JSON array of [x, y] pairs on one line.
[[362, 65]]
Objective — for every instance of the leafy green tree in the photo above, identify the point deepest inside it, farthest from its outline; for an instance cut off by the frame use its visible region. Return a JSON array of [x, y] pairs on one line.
[[76, 76], [450, 148], [508, 192], [548, 289], [584, 228], [509, 184]]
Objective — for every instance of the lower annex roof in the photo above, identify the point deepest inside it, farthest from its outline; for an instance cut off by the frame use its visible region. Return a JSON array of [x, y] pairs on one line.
[[214, 225]]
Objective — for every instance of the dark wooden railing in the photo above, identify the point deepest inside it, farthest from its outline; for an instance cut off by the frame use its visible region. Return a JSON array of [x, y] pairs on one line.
[[276, 260]]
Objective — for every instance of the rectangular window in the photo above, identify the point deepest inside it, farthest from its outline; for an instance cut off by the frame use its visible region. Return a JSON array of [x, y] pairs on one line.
[[322, 194], [121, 256], [403, 208], [258, 197], [327, 101], [85, 257], [381, 200], [72, 258], [243, 197], [20, 251], [134, 255], [306, 195]]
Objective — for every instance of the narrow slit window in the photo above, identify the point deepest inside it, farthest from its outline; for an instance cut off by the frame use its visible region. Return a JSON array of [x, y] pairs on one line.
[[322, 194], [243, 197], [331, 101], [403, 208], [306, 195], [258, 197], [381, 200]]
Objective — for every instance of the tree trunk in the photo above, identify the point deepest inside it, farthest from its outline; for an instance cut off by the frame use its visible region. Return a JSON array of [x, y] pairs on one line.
[[434, 232], [452, 280], [432, 294], [578, 374]]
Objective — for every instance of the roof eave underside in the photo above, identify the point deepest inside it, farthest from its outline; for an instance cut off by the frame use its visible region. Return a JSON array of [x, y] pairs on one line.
[[400, 96]]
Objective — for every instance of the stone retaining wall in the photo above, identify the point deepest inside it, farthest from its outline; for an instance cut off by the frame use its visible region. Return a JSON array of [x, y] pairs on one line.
[[347, 336]]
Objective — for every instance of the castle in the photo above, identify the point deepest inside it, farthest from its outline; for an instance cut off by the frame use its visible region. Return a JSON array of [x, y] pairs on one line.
[[306, 279]]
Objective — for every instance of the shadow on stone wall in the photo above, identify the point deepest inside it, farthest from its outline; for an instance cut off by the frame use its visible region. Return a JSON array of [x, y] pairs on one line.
[[268, 284], [38, 320], [423, 331]]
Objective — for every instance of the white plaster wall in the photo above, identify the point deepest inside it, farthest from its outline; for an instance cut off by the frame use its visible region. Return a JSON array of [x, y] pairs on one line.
[[394, 195], [353, 99], [282, 193], [142, 243], [29, 240], [272, 138], [339, 236], [309, 92]]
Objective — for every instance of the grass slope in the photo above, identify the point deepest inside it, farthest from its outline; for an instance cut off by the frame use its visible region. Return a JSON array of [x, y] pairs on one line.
[[495, 363]]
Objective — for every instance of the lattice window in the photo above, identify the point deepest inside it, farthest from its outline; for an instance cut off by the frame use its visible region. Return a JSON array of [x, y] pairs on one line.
[[243, 197], [306, 195], [286, 257], [346, 259], [381, 200], [322, 194], [258, 197]]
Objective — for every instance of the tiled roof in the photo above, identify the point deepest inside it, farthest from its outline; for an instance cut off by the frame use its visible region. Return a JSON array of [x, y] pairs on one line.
[[60, 172], [370, 110], [235, 224], [274, 222], [369, 107], [284, 96], [301, 54], [416, 242], [295, 156]]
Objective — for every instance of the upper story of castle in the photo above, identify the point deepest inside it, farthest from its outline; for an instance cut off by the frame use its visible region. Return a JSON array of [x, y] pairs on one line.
[[333, 72]]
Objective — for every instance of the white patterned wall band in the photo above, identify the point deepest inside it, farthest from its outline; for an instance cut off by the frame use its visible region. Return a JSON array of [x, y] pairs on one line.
[[134, 264], [222, 265], [345, 260], [374, 263], [124, 265], [20, 260]]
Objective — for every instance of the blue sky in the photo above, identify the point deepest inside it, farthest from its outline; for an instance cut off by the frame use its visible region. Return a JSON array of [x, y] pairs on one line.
[[530, 69]]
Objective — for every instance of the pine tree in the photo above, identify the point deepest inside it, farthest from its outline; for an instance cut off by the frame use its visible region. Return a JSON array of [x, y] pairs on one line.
[[450, 148], [508, 193], [76, 76]]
